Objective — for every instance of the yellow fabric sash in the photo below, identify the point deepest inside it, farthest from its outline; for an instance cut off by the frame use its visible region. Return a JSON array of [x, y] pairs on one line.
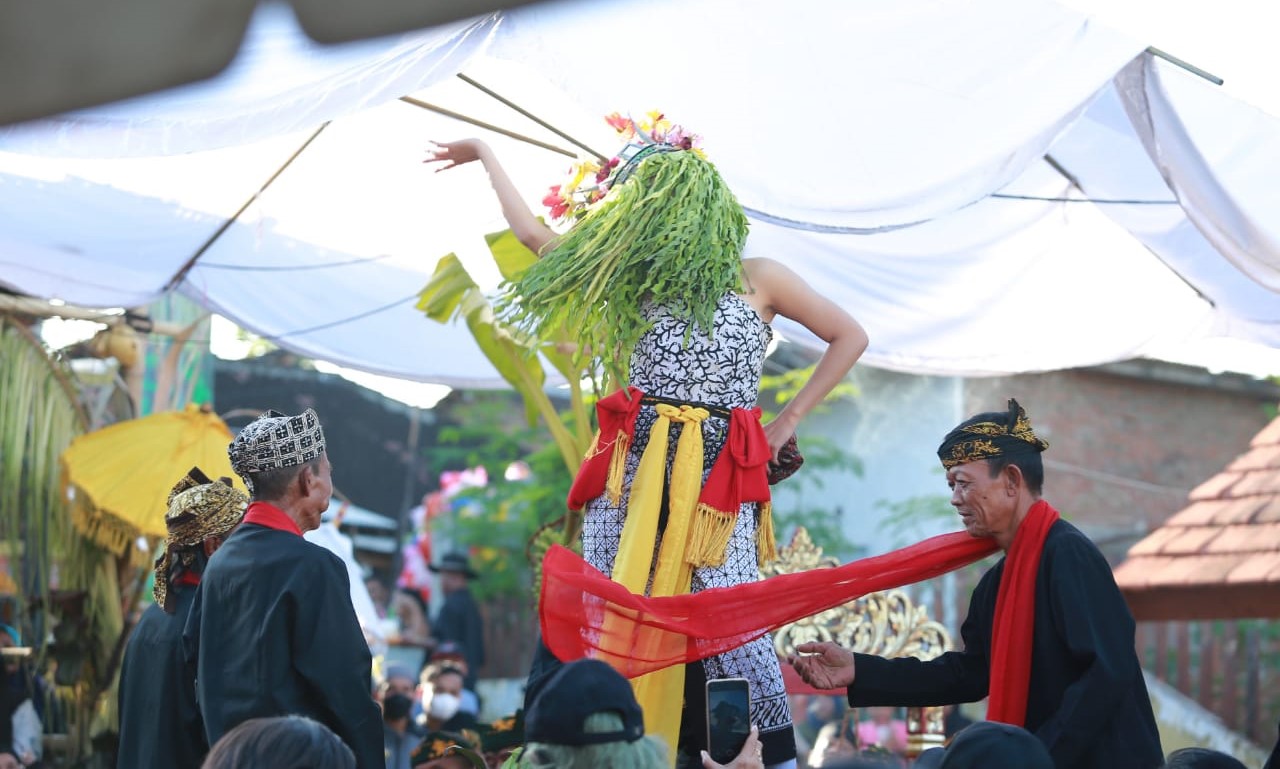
[[660, 693]]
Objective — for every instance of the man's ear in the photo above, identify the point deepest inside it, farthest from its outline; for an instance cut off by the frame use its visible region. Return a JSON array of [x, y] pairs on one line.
[[1012, 478], [306, 477]]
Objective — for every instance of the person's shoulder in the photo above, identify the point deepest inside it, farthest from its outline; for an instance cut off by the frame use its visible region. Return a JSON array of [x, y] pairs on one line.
[[1064, 537], [153, 618], [762, 268], [1069, 551]]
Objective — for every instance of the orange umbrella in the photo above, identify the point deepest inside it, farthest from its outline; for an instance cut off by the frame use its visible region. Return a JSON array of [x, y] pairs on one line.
[[121, 475]]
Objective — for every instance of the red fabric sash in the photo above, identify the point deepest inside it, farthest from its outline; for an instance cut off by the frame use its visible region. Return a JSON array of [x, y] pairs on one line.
[[616, 415], [740, 473], [1011, 635], [645, 634], [267, 514]]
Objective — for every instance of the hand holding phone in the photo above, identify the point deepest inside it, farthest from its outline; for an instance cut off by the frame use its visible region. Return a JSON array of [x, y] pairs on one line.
[[728, 717]]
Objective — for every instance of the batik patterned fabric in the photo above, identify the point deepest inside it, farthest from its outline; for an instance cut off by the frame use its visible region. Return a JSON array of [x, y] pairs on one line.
[[719, 369], [198, 509], [274, 441]]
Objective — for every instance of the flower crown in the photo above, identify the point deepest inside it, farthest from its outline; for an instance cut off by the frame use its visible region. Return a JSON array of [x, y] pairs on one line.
[[655, 134]]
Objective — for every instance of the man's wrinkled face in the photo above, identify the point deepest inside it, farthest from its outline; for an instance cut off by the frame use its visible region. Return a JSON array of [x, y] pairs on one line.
[[985, 508]]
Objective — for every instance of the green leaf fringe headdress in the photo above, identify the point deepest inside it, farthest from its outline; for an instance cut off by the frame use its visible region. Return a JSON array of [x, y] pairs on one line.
[[663, 229]]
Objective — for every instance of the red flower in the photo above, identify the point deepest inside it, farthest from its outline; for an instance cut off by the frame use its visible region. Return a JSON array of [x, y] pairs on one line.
[[553, 197], [619, 123]]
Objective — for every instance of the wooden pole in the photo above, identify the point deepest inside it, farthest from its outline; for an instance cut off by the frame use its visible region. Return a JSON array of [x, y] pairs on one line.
[[532, 117], [487, 126], [186, 267], [1193, 69]]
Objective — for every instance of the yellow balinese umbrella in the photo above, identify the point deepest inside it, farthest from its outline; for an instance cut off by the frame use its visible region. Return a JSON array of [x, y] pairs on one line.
[[121, 475]]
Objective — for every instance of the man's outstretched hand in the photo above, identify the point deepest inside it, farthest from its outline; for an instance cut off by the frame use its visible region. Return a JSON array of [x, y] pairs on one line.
[[823, 665]]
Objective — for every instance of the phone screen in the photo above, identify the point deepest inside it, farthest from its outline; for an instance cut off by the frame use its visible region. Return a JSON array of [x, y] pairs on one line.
[[728, 717]]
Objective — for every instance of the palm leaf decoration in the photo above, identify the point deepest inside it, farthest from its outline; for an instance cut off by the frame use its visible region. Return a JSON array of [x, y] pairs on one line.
[[453, 295], [40, 414]]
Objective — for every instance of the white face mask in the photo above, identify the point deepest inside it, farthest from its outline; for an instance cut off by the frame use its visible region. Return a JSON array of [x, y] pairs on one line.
[[444, 705]]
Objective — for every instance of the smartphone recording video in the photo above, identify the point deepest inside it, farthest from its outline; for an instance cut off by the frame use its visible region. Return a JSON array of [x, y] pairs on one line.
[[728, 717]]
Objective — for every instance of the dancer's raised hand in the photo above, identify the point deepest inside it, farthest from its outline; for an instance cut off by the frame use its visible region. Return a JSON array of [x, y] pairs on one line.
[[455, 153]]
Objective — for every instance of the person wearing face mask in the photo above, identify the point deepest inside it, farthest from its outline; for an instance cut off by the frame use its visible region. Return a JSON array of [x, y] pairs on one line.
[[442, 700], [400, 734]]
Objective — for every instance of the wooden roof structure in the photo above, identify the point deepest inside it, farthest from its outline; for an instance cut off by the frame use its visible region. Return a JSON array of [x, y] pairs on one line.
[[1219, 557]]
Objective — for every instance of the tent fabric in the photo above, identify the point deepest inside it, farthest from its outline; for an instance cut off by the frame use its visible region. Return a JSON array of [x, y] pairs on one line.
[[1226, 200], [906, 181], [281, 82]]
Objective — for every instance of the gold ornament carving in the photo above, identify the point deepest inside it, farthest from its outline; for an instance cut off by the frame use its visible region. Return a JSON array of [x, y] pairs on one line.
[[887, 624]]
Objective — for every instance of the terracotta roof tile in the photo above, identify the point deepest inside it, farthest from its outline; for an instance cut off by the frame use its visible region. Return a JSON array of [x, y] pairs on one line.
[[1154, 543], [1270, 510], [1227, 535], [1196, 514], [1194, 569], [1258, 567], [1240, 510], [1257, 482], [1248, 538], [1137, 572], [1190, 541], [1259, 458], [1215, 487], [1270, 434]]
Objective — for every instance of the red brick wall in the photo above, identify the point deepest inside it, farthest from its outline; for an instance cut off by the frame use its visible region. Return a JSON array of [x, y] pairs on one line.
[[1125, 450]]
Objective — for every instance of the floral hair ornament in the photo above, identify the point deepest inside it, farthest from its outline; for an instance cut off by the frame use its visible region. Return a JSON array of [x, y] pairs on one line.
[[655, 134], [658, 227]]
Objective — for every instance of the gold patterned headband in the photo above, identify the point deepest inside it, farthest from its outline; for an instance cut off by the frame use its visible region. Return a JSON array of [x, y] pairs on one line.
[[990, 435]]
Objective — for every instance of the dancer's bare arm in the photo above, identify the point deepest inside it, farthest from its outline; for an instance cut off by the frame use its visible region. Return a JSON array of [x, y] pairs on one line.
[[779, 291], [532, 233]]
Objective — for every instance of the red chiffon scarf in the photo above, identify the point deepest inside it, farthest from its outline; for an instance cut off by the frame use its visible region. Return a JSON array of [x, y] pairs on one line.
[[586, 614], [1011, 635]]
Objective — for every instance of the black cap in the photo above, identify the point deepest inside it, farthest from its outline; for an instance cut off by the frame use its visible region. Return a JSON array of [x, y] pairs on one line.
[[455, 562], [580, 689], [993, 745]]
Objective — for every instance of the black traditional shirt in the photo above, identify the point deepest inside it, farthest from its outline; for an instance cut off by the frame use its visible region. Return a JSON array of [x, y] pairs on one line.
[[272, 632], [160, 726], [1087, 700]]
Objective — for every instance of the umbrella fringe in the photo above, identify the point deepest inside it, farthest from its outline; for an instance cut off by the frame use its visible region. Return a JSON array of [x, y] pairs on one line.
[[106, 530]]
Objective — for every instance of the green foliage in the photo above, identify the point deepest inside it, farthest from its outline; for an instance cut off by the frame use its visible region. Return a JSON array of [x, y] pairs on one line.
[[39, 417], [778, 389], [497, 522], [910, 519], [825, 526], [452, 295], [672, 234]]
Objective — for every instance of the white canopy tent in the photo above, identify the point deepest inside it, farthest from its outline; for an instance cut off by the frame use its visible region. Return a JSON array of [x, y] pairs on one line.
[[894, 156]]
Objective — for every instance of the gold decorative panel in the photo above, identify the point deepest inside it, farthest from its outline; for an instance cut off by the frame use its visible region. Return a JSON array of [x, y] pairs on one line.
[[888, 624]]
